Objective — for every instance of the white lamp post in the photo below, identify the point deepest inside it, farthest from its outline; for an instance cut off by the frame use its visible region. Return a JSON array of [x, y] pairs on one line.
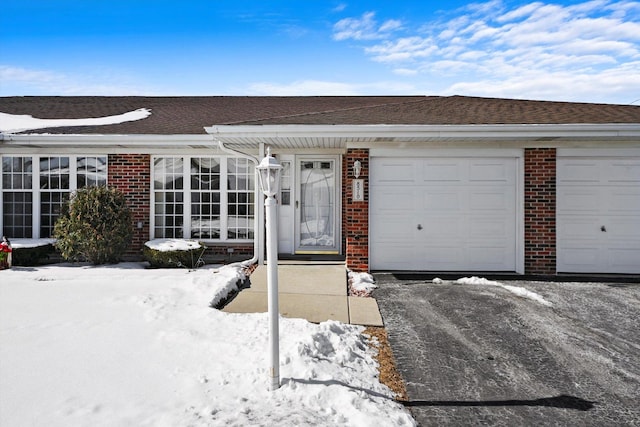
[[269, 173]]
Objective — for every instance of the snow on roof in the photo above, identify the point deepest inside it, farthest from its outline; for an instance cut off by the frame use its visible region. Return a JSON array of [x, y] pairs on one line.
[[12, 123]]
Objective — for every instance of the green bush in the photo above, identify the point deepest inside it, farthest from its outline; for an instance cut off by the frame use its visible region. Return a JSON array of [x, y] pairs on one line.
[[189, 258], [36, 255], [94, 225]]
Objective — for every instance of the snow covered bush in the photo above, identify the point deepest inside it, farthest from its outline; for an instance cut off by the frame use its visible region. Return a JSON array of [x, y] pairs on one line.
[[173, 253], [94, 225], [32, 255]]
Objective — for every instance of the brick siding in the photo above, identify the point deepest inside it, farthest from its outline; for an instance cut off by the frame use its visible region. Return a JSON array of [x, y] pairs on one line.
[[540, 211], [355, 217], [131, 174]]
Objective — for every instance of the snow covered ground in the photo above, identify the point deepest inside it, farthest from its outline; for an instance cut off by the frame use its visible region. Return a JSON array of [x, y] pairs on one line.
[[123, 345]]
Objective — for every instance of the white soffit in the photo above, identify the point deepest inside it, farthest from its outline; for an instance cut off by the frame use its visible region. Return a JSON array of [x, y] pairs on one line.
[[339, 136]]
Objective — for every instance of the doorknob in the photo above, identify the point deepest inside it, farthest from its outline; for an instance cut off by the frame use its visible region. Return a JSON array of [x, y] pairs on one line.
[[603, 229], [419, 226]]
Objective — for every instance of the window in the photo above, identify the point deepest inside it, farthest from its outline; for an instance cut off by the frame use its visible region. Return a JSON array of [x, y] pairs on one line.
[[54, 190], [32, 196], [191, 201], [240, 180], [285, 183], [17, 196], [168, 195], [205, 198]]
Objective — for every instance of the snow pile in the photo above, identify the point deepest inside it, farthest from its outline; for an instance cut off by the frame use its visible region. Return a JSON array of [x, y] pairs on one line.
[[361, 284], [124, 345], [12, 123], [522, 292], [168, 245], [228, 278], [31, 243]]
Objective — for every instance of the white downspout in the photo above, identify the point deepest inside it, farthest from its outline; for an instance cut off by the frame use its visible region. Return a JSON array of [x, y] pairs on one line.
[[257, 229]]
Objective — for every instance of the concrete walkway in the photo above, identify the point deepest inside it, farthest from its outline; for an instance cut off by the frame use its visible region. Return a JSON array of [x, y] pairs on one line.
[[316, 292]]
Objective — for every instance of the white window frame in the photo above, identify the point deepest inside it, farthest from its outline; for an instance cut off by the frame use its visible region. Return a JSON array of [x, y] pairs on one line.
[[35, 184], [186, 190]]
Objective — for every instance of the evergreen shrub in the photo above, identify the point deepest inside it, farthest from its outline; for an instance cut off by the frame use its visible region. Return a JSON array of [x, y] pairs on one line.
[[94, 225]]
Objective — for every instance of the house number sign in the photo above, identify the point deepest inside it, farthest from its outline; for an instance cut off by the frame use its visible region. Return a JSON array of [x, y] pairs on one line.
[[358, 190]]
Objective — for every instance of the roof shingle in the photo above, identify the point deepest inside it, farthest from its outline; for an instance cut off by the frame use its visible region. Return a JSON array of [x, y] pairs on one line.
[[189, 115]]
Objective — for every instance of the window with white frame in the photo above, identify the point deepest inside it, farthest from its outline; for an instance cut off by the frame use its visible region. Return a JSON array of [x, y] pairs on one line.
[[206, 198], [35, 187]]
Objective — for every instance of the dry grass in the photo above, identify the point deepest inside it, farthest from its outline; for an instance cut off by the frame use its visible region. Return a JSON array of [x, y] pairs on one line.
[[389, 375]]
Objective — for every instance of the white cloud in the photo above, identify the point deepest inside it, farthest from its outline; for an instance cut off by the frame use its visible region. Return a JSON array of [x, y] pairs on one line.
[[535, 50], [402, 49], [46, 82], [318, 87], [364, 28], [621, 83]]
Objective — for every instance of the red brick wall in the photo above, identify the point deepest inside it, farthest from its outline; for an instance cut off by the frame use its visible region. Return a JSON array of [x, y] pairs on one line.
[[355, 216], [131, 174], [540, 211]]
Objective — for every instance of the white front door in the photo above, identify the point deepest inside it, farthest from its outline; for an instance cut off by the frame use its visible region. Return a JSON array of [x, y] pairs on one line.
[[317, 226], [598, 213]]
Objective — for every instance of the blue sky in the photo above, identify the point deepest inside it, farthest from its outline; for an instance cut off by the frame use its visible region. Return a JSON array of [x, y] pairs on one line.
[[561, 50]]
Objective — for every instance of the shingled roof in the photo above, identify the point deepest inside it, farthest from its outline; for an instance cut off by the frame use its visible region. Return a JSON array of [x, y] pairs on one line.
[[189, 115]]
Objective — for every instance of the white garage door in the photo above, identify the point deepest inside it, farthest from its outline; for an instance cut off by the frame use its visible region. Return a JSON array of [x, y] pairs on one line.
[[443, 214], [598, 209]]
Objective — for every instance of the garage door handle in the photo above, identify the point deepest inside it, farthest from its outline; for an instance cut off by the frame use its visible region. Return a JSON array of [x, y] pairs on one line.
[[419, 226], [603, 229]]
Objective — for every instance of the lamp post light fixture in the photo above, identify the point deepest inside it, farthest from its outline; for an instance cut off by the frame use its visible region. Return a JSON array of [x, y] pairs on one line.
[[357, 168], [269, 171]]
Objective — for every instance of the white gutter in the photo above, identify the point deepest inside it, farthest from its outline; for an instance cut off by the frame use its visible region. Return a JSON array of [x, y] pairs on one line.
[[257, 204], [493, 131]]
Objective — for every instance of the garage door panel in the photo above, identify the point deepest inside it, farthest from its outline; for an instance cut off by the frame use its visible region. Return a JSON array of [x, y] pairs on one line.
[[439, 170], [394, 200], [441, 258], [486, 200], [624, 171], [578, 201], [572, 228], [622, 258], [624, 200], [624, 229], [449, 201], [577, 171], [393, 229], [489, 228], [395, 171], [448, 228], [579, 259], [394, 257], [490, 170], [497, 258]]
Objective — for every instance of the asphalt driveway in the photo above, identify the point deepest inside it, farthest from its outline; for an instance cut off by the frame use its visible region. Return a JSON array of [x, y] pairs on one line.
[[483, 355]]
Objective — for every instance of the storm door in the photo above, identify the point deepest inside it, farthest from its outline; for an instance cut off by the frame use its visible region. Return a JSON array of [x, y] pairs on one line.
[[317, 207]]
